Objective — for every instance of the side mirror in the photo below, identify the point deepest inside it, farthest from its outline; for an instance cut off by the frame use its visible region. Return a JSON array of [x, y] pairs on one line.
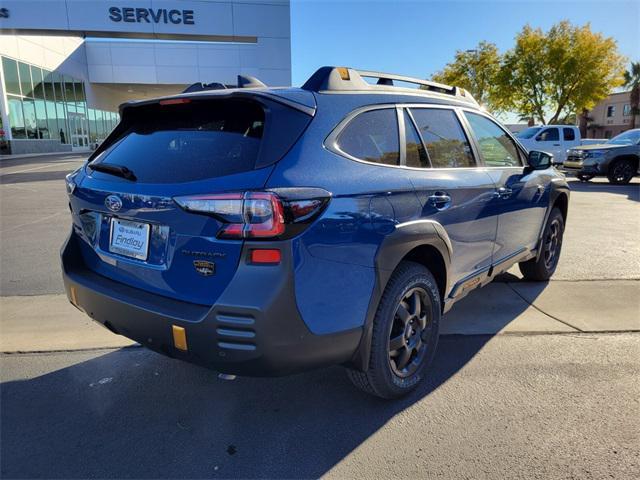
[[539, 161]]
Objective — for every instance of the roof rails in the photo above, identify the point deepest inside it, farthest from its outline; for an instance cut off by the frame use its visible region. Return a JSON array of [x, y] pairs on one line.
[[349, 79], [244, 81]]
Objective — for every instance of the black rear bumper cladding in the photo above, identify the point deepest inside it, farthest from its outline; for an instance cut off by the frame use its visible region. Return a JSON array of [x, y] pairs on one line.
[[254, 328]]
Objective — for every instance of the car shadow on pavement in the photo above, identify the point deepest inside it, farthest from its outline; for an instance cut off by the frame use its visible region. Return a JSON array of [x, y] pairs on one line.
[[131, 413]]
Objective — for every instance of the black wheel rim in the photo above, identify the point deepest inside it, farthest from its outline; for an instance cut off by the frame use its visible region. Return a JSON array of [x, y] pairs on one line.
[[410, 332], [552, 244], [622, 171]]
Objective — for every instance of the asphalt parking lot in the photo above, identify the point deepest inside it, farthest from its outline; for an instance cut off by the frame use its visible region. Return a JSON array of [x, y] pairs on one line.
[[531, 380]]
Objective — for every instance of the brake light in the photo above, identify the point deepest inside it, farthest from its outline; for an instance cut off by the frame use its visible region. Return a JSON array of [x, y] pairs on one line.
[[256, 215], [175, 101]]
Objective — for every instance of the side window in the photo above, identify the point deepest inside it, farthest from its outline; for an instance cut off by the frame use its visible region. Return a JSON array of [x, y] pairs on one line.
[[444, 138], [549, 135], [372, 136], [415, 152], [498, 150], [569, 134]]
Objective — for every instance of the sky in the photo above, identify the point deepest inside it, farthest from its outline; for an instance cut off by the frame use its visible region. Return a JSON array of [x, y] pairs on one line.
[[417, 38]]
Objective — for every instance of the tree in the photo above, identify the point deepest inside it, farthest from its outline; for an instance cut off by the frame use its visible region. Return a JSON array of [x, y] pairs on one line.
[[632, 81], [566, 70], [475, 71]]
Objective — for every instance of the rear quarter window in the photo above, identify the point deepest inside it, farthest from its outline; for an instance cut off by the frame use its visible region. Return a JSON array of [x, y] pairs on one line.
[[372, 136]]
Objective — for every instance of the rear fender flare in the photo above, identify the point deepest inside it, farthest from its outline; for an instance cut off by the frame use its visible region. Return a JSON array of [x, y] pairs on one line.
[[393, 249]]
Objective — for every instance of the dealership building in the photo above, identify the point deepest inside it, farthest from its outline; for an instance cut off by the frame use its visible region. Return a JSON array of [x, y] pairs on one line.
[[67, 65]]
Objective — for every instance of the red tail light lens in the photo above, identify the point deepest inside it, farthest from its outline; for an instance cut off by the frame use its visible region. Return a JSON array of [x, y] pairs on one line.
[[256, 215]]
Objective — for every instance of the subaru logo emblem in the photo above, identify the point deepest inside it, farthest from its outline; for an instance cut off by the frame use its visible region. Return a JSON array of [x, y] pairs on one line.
[[113, 203]]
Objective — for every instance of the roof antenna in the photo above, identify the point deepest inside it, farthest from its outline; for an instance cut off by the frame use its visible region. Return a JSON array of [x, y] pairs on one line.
[[247, 81]]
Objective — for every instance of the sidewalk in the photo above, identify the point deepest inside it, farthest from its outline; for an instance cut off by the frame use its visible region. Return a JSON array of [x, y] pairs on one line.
[[49, 322]]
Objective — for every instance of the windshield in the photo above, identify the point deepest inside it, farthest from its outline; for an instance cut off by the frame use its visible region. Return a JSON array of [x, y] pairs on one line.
[[630, 137], [528, 132]]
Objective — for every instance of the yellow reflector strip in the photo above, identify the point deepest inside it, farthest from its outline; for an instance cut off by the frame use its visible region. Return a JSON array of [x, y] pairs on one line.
[[179, 338], [74, 296], [344, 73]]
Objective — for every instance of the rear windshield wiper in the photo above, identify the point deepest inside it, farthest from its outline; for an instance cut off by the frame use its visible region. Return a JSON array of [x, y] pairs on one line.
[[113, 169]]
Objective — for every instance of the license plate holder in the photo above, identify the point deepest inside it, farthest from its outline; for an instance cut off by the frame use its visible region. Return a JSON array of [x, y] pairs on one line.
[[130, 239]]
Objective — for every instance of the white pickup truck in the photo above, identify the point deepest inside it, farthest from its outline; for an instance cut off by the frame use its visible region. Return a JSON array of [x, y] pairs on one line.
[[556, 139]]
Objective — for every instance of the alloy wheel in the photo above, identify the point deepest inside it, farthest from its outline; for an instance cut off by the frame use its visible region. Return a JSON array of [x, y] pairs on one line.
[[622, 172], [552, 244], [410, 332]]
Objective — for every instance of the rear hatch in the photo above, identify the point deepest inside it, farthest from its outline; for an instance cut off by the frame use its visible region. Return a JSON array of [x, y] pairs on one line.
[[123, 201]]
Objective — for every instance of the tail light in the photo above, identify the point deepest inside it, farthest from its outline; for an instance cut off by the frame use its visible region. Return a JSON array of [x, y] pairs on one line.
[[279, 213]]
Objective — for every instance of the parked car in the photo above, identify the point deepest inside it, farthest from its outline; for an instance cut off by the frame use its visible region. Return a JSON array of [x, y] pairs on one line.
[[555, 139], [617, 159], [267, 231]]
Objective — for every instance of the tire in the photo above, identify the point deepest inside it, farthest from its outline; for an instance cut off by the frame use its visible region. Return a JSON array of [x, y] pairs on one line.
[[621, 172], [394, 373], [543, 268], [584, 178]]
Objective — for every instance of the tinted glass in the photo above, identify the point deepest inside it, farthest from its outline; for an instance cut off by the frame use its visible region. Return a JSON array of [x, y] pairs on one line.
[[372, 136], [444, 138], [11, 81], [186, 142], [25, 79], [38, 87], [569, 134], [30, 118], [16, 118], [415, 152], [549, 135], [497, 149]]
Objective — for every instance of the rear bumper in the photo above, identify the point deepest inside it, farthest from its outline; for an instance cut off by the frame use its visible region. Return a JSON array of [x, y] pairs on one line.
[[253, 329]]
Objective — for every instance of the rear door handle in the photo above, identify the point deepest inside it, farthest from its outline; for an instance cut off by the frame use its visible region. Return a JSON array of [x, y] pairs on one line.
[[440, 200]]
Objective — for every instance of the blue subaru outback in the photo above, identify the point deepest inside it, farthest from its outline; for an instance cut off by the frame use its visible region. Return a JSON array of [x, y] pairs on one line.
[[266, 231]]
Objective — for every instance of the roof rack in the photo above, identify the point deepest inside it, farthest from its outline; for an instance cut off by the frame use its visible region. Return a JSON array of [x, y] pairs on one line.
[[349, 79], [244, 81]]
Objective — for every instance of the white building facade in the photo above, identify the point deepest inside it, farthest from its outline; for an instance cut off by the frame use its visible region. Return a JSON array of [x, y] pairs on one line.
[[68, 64]]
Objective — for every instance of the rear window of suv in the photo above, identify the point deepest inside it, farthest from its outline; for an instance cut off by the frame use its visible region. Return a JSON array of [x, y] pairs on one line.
[[372, 136], [189, 141]]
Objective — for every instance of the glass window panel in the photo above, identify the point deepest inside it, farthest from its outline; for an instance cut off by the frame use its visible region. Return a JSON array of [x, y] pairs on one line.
[[70, 96], [11, 80], [58, 87], [30, 118], [63, 129], [416, 155], [444, 138], [498, 150], [25, 79], [16, 118], [38, 87], [52, 121], [92, 125], [48, 86], [372, 136], [100, 125], [41, 119]]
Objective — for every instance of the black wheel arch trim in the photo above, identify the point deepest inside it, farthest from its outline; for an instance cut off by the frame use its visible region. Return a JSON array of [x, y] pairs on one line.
[[557, 192], [405, 238]]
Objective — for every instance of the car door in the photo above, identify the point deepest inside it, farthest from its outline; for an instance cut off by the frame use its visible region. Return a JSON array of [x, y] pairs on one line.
[[521, 196], [548, 140], [452, 190]]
